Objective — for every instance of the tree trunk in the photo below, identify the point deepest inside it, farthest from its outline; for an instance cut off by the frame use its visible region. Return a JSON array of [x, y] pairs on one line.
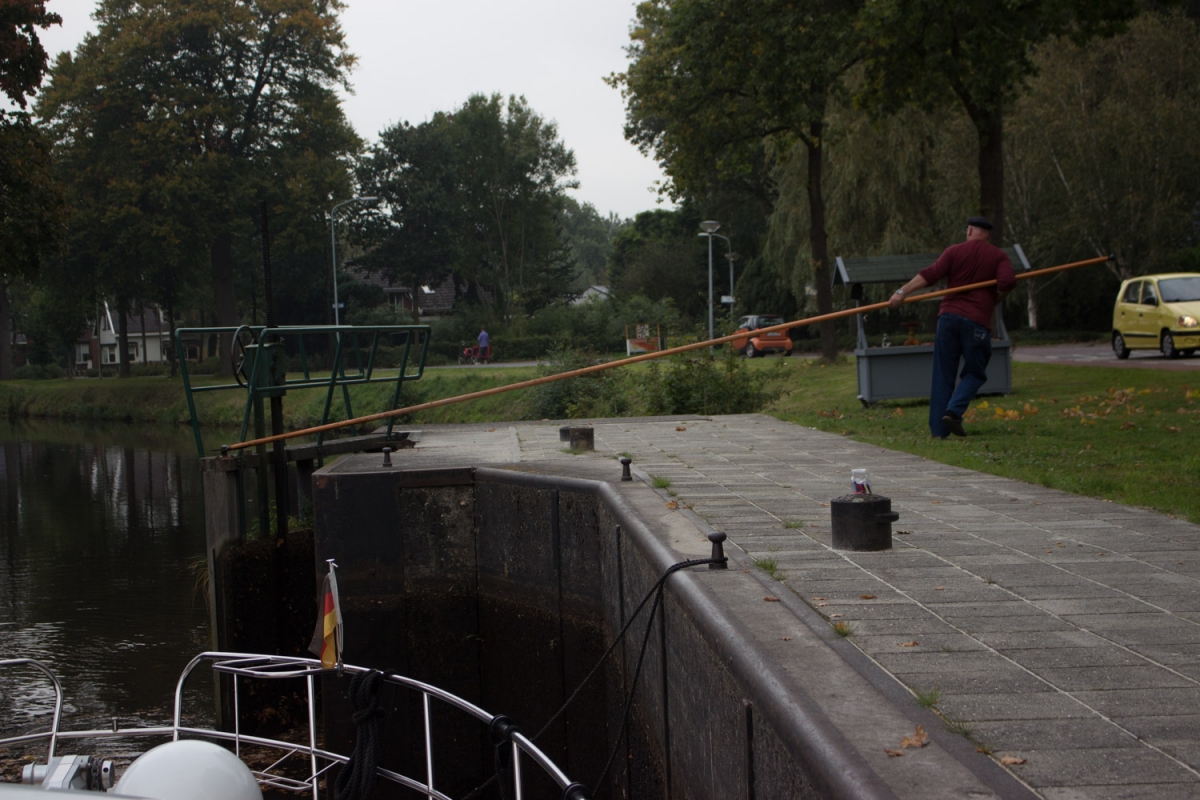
[[990, 127], [221, 258], [122, 338], [820, 242], [171, 328], [6, 324]]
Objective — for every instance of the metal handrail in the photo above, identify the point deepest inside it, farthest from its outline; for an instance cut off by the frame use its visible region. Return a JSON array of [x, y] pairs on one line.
[[266, 667], [360, 341]]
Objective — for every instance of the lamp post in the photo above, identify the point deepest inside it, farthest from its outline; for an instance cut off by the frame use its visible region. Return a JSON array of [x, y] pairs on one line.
[[732, 257], [710, 226], [337, 318]]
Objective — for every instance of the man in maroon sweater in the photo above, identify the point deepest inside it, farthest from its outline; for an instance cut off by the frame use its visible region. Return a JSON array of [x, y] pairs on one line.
[[964, 322]]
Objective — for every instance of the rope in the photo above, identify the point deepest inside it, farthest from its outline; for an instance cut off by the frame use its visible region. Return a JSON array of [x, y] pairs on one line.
[[357, 779]]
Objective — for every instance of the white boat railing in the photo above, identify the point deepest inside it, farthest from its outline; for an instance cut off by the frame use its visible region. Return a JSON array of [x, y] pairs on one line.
[[320, 761]]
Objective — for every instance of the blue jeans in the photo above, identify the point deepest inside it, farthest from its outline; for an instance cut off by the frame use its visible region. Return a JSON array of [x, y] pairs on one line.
[[958, 339]]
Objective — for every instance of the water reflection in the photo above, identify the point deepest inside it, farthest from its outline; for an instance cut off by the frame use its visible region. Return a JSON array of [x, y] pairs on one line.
[[101, 529]]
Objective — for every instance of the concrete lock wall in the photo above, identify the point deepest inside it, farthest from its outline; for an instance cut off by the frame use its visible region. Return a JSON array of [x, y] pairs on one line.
[[505, 588]]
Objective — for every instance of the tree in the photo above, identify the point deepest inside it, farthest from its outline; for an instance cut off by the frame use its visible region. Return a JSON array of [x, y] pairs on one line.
[[477, 193], [720, 91], [1105, 160], [32, 216], [31, 207], [22, 57], [206, 99], [589, 236], [930, 52]]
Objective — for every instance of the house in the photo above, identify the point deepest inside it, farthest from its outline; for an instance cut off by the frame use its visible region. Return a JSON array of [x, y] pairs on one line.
[[149, 339], [431, 302], [591, 293]]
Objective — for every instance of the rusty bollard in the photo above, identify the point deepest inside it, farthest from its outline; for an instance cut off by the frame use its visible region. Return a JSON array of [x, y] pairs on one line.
[[582, 439]]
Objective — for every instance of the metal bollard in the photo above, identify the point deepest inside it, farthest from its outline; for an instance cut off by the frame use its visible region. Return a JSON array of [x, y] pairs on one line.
[[718, 550], [387, 456], [862, 522], [625, 474]]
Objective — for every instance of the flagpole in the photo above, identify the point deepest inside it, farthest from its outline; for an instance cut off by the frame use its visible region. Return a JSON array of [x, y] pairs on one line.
[[337, 609]]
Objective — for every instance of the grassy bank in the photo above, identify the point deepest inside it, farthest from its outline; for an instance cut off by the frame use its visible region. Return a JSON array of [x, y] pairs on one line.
[[1124, 435]]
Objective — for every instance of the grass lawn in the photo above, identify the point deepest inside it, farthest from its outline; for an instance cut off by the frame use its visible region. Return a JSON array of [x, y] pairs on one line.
[[1126, 435]]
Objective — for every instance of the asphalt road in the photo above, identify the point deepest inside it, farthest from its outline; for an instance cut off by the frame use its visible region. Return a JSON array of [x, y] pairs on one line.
[[1100, 354]]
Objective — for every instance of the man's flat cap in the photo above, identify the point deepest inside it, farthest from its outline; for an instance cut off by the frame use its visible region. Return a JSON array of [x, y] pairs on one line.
[[980, 222]]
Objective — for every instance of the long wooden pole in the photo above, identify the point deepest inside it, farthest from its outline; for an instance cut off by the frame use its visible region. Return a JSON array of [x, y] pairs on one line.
[[575, 373]]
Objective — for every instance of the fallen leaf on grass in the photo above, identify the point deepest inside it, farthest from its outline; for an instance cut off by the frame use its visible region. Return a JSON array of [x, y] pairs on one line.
[[918, 739], [771, 599], [1173, 429], [866, 597], [893, 753], [681, 427], [1010, 761], [913, 643], [1128, 426], [672, 504]]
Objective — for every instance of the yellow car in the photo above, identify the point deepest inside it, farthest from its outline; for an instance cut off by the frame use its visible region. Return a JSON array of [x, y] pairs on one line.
[[1158, 312]]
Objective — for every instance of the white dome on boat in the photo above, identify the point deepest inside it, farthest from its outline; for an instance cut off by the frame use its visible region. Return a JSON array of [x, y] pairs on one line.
[[190, 769]]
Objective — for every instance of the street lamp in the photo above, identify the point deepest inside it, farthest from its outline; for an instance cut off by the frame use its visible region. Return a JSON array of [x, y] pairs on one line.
[[337, 318], [710, 226], [732, 257]]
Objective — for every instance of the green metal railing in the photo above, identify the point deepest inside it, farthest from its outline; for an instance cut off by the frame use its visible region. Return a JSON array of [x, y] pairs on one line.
[[259, 361]]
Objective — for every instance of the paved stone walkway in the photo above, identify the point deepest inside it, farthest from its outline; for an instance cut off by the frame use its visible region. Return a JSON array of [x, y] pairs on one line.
[[1049, 627]]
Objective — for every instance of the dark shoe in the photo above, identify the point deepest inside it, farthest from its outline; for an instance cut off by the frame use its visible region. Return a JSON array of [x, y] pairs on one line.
[[954, 424]]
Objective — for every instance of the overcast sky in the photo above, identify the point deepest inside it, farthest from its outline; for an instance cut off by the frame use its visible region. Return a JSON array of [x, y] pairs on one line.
[[415, 58]]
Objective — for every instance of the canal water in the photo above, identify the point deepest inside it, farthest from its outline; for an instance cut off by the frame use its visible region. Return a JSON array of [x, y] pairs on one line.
[[101, 571]]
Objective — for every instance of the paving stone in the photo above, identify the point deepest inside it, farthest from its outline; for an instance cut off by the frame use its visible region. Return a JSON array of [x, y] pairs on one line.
[[1129, 702], [1107, 766], [1027, 704], [1115, 677], [1033, 735]]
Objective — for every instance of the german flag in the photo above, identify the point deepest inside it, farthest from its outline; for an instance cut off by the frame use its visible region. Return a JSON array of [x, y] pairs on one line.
[[327, 638]]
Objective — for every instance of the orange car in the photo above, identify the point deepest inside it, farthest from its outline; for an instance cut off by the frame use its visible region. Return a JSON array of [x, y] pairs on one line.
[[755, 343]]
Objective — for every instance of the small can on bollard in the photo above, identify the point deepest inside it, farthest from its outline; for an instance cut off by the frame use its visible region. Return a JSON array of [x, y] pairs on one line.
[[860, 481]]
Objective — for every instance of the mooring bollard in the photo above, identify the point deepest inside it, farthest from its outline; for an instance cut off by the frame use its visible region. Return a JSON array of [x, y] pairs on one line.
[[582, 438], [718, 550], [387, 456], [625, 474], [862, 522]]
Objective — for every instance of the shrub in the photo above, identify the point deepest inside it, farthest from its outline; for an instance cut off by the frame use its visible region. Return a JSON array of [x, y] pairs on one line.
[[38, 372], [599, 394], [699, 384]]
